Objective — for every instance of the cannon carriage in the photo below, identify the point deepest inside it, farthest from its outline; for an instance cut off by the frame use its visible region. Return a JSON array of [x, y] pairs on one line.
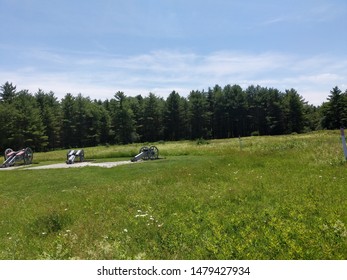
[[73, 154], [11, 157], [147, 153]]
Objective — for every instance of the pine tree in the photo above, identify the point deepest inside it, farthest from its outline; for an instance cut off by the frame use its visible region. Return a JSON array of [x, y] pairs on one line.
[[199, 115], [68, 130], [152, 120], [8, 92], [335, 110], [122, 120], [50, 112], [173, 117], [294, 111], [29, 128]]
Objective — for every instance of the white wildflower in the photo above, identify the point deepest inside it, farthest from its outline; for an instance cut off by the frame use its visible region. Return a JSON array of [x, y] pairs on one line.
[[142, 215]]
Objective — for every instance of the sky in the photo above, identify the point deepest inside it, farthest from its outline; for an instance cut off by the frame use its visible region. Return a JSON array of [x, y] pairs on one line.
[[100, 47]]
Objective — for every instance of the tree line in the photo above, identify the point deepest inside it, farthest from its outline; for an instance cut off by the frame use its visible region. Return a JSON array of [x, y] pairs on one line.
[[43, 122]]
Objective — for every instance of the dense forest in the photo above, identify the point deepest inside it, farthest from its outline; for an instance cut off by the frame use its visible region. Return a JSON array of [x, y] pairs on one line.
[[43, 122]]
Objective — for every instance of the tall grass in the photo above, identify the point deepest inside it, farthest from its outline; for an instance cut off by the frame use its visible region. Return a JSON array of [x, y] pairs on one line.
[[264, 198]]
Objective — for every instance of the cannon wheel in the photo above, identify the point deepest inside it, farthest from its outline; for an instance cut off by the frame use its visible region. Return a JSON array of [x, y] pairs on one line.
[[28, 156], [82, 156], [67, 155], [145, 151], [154, 152], [7, 151]]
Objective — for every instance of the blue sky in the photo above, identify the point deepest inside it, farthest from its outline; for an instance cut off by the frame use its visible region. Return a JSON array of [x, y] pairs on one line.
[[100, 47]]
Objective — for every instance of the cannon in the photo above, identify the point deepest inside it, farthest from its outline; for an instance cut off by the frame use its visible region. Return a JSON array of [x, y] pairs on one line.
[[11, 157], [72, 154], [146, 153]]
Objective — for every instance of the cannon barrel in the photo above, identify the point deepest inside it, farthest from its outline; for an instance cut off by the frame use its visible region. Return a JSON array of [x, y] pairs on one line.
[[146, 153], [11, 157], [72, 154]]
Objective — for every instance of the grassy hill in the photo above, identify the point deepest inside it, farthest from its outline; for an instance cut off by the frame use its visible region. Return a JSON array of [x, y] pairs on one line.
[[282, 197]]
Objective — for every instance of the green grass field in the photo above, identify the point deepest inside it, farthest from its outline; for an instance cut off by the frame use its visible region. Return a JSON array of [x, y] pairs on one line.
[[266, 198]]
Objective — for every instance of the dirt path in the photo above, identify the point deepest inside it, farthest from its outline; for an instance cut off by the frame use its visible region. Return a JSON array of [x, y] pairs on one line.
[[75, 165]]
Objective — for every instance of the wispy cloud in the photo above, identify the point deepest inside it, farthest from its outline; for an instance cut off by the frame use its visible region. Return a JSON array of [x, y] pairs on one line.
[[100, 75], [274, 20], [303, 13]]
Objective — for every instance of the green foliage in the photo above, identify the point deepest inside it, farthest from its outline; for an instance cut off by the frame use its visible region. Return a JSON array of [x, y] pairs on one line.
[[199, 115], [335, 110], [294, 115], [123, 120], [50, 112], [8, 92], [28, 129], [151, 123], [173, 117], [44, 123], [280, 197]]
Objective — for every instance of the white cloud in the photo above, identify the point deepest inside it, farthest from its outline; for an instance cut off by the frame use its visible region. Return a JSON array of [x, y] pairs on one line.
[[100, 75]]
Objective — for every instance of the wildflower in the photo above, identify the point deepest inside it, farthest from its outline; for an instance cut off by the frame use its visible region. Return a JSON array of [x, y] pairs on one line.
[[125, 230], [142, 215]]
